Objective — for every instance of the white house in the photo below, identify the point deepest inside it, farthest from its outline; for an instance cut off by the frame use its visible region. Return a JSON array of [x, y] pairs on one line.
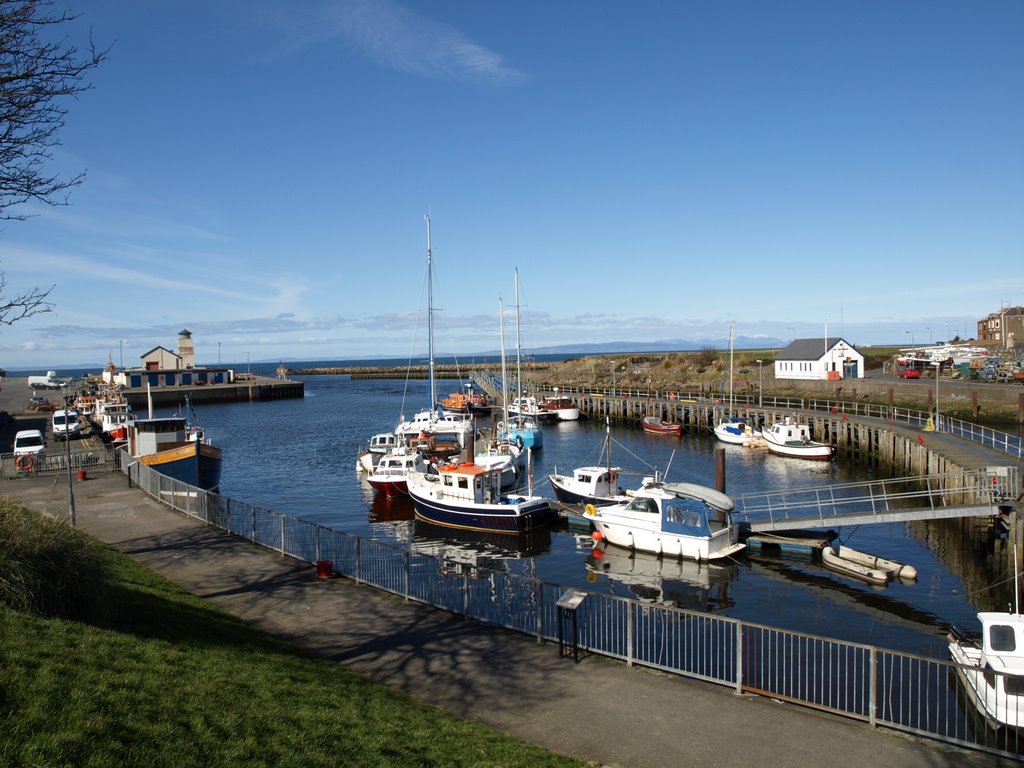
[[820, 360]]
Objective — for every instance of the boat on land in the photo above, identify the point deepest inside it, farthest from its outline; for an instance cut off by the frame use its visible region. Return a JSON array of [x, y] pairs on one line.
[[469, 496], [392, 472], [790, 438], [178, 448], [670, 519], [655, 425], [857, 570], [990, 667]]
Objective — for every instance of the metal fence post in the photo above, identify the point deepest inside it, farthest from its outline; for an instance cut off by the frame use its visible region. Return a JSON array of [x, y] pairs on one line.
[[317, 543], [873, 687], [282, 535], [252, 537], [408, 566], [629, 634], [358, 560], [739, 657]]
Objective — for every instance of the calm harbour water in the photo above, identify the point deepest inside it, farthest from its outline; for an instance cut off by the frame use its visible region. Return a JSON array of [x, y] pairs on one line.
[[299, 456]]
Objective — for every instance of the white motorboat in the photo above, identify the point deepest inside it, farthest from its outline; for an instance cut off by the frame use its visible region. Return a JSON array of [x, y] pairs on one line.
[[790, 438], [379, 444], [510, 458], [562, 406], [991, 667], [595, 485], [392, 472], [469, 496], [527, 406], [674, 519], [738, 431]]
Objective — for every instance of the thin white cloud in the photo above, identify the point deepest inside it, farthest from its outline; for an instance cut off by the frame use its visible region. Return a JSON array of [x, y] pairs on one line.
[[400, 38]]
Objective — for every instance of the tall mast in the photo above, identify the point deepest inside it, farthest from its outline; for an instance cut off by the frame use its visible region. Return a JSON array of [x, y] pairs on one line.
[[519, 368], [430, 324], [731, 404], [504, 374]]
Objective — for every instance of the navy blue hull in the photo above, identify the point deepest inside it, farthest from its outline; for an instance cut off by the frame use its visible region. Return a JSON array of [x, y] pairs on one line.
[[503, 519]]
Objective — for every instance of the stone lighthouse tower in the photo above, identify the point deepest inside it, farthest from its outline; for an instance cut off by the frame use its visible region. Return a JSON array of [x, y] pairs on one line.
[[186, 351]]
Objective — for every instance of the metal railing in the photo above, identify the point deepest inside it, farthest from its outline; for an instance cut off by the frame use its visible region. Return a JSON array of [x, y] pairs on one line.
[[1012, 445], [56, 462], [882, 687]]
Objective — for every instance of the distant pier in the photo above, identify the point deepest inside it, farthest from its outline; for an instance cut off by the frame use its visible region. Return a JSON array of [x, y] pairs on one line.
[[244, 389]]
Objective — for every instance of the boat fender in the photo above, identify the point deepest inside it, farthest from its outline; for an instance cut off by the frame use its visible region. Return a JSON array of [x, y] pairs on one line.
[[519, 442], [590, 509], [500, 426], [24, 462]]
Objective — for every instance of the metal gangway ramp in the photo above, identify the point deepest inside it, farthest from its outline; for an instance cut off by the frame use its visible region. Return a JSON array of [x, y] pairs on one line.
[[978, 493]]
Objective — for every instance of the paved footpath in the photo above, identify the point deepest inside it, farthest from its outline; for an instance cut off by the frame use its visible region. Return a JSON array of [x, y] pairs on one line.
[[598, 710]]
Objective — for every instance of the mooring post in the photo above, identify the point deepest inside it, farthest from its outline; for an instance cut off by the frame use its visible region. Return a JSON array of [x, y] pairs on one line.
[[720, 470]]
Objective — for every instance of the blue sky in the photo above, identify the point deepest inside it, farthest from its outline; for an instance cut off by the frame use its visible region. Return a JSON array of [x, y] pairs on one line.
[[258, 172]]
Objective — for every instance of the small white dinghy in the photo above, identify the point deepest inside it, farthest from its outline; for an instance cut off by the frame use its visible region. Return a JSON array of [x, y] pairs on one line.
[[895, 570], [854, 569]]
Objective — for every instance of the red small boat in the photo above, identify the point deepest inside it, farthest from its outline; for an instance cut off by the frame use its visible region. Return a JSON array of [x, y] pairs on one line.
[[656, 426]]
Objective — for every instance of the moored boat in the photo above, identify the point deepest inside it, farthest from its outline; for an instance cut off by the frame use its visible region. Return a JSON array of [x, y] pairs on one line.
[[176, 448], [655, 425], [588, 485], [790, 438], [469, 496], [852, 568], [563, 407], [392, 472], [737, 431], [894, 569], [674, 519], [991, 667], [379, 444]]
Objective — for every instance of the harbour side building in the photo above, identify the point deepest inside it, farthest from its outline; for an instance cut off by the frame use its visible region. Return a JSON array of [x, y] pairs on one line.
[[823, 359]]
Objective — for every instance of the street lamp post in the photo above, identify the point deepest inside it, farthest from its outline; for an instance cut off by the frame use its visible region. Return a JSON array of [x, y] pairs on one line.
[[912, 343], [67, 449], [120, 344], [938, 370], [760, 385]]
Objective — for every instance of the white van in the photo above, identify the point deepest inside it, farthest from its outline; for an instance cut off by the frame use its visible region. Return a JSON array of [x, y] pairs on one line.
[[66, 425], [29, 442]]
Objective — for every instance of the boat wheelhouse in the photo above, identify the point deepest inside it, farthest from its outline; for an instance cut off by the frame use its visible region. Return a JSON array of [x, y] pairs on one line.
[[991, 667]]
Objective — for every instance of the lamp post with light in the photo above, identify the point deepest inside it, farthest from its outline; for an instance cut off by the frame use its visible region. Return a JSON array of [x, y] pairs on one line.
[[120, 344]]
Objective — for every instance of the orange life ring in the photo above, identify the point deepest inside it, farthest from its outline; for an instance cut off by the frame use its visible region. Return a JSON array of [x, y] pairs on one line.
[[24, 462]]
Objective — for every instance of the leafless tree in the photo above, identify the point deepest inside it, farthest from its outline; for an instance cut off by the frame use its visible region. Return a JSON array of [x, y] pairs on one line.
[[39, 70]]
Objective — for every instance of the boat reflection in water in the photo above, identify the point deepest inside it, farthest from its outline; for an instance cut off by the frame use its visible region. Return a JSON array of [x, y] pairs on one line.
[[477, 549], [391, 509], [692, 584]]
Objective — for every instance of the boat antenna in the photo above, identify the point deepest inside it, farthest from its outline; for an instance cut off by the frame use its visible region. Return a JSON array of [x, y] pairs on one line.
[[732, 405], [519, 367], [669, 465]]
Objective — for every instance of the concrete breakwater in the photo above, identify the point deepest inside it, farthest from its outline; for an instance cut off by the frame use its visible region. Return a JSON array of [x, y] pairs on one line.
[[420, 371]]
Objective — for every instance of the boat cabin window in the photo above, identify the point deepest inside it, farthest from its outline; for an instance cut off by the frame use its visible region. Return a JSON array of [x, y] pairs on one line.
[[583, 478], [447, 480], [685, 516], [1014, 685], [463, 482], [642, 504], [1001, 638]]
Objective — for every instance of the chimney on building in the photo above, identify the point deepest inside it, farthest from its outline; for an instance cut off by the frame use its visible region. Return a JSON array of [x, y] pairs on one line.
[[186, 351]]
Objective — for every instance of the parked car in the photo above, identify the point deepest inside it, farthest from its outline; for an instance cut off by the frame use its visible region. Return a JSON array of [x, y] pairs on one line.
[[909, 373], [40, 403], [29, 442], [66, 425]]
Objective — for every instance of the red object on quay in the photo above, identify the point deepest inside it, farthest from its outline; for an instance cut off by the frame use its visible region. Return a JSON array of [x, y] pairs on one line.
[[324, 569], [82, 475]]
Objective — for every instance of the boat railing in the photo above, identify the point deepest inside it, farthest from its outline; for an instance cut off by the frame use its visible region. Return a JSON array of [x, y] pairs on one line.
[[881, 687]]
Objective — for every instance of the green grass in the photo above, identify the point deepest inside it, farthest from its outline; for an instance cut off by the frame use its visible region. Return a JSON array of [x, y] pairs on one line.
[[163, 678]]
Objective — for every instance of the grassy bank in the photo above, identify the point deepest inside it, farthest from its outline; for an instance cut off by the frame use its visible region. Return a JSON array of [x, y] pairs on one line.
[[159, 677]]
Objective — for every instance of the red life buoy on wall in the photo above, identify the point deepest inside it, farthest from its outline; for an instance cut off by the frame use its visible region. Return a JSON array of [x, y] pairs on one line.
[[24, 462]]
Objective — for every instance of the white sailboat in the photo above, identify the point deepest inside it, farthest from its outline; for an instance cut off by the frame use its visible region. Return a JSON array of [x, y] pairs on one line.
[[521, 428], [735, 430]]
